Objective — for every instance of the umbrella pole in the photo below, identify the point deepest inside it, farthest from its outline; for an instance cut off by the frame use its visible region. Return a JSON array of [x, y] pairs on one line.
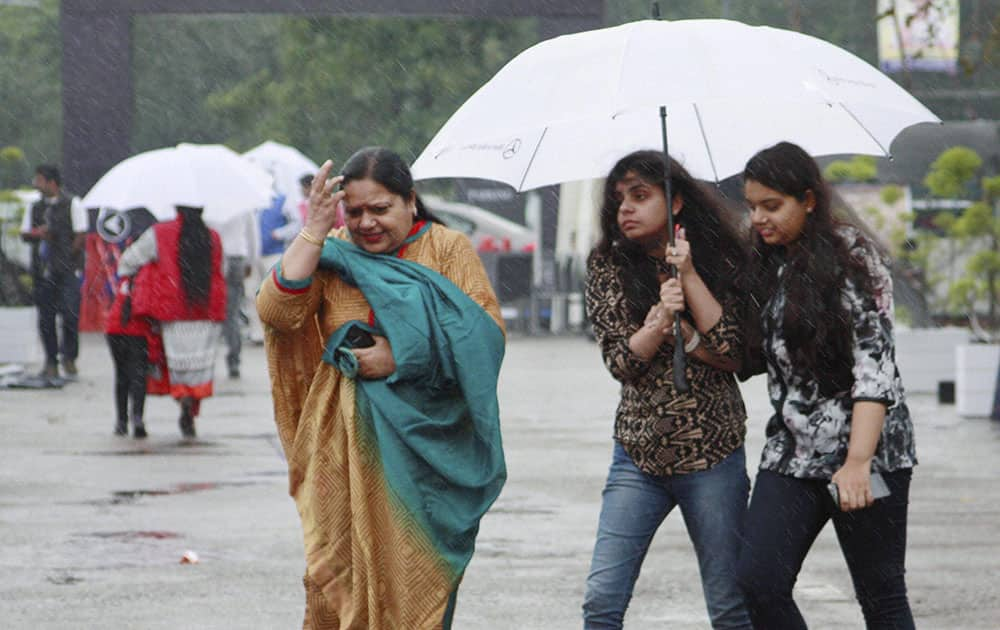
[[680, 359]]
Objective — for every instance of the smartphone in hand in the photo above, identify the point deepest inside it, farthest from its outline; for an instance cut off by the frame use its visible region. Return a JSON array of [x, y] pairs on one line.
[[880, 489], [358, 337]]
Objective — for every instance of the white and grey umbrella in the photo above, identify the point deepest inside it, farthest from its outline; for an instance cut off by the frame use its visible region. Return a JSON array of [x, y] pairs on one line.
[[209, 176], [568, 108]]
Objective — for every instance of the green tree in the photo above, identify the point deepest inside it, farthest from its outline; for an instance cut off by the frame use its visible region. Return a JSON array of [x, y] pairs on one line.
[[860, 168], [30, 81], [12, 167], [180, 62], [952, 171], [339, 84], [977, 229]]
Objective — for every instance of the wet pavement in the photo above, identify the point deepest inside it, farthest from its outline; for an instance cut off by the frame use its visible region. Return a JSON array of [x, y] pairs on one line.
[[94, 526]]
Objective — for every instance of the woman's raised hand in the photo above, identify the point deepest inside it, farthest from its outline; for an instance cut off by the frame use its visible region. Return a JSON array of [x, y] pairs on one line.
[[679, 254], [324, 197]]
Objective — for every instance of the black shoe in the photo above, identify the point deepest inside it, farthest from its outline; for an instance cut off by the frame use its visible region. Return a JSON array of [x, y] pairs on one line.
[[139, 431], [121, 428]]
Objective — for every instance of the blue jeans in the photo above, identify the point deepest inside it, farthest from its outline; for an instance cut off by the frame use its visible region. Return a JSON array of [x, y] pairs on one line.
[[713, 503]]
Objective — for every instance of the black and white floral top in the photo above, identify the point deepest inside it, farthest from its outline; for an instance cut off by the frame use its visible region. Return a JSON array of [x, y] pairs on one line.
[[808, 435]]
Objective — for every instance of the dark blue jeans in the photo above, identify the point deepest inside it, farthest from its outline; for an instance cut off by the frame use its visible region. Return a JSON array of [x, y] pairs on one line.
[[786, 514], [713, 503], [59, 295]]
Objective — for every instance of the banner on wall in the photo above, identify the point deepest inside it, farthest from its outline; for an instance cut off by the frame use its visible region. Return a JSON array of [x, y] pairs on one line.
[[923, 32]]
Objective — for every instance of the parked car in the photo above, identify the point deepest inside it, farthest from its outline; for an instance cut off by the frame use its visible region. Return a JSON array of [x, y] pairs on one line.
[[488, 232]]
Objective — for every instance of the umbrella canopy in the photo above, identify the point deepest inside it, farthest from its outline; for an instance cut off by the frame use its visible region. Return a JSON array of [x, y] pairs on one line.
[[568, 108], [287, 164], [123, 226], [208, 176]]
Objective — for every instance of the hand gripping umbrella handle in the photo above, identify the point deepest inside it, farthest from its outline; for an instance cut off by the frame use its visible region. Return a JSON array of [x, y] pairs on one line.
[[680, 359]]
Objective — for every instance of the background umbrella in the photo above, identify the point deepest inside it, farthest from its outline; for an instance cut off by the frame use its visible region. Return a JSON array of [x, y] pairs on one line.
[[568, 108], [209, 176], [286, 164]]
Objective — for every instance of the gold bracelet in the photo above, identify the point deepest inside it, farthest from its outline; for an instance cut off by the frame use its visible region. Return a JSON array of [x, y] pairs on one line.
[[309, 238]]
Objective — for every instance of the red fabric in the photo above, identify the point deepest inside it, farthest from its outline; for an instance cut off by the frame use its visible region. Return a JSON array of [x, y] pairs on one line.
[[158, 291], [197, 392], [136, 326], [283, 288], [95, 298], [158, 378]]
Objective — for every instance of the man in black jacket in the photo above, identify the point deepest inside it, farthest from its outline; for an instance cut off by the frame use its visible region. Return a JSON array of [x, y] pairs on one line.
[[56, 228]]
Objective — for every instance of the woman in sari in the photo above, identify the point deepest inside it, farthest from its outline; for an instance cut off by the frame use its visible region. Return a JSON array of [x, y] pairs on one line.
[[384, 341], [178, 283]]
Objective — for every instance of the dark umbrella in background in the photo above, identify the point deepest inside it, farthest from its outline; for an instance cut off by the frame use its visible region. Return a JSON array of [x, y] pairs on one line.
[[116, 230]]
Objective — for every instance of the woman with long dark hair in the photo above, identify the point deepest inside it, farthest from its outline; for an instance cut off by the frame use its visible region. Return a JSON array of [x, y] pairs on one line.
[[179, 284], [820, 320], [392, 433], [670, 448]]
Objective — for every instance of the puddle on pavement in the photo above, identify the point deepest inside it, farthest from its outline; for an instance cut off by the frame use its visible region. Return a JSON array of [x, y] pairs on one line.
[[131, 497], [132, 535], [181, 447], [63, 580]]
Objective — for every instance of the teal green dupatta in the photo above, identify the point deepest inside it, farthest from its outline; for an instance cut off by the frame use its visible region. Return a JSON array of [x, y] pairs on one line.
[[435, 421]]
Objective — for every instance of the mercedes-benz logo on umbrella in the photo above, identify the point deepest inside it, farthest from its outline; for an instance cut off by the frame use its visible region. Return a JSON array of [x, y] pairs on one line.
[[511, 148], [114, 226]]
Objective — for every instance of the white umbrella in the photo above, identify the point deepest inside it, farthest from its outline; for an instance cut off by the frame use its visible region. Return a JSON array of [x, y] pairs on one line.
[[568, 108], [287, 165], [208, 176]]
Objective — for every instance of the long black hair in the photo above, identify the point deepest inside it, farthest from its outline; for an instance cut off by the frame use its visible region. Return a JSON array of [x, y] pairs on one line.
[[387, 168], [194, 256], [718, 253], [816, 325]]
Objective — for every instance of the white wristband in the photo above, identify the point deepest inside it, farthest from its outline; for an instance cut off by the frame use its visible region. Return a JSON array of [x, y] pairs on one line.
[[692, 343]]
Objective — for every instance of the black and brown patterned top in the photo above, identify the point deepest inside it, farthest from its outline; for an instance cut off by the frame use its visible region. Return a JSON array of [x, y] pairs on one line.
[[666, 433]]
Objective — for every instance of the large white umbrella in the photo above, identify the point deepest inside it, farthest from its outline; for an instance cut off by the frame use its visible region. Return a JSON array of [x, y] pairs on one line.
[[568, 108], [287, 165], [209, 176]]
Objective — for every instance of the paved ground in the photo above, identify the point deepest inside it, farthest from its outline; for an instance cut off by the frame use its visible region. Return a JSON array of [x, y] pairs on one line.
[[93, 526]]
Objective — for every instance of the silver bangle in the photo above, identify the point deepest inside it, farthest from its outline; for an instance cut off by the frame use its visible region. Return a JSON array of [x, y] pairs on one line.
[[692, 343]]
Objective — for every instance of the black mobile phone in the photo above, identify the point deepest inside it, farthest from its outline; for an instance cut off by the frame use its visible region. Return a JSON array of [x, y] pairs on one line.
[[358, 337]]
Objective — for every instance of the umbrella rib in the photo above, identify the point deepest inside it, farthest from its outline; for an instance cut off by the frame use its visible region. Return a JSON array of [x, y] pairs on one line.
[[704, 137], [862, 125], [532, 160]]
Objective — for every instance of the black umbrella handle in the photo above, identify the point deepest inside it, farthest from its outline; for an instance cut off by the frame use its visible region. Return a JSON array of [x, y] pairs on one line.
[[680, 359]]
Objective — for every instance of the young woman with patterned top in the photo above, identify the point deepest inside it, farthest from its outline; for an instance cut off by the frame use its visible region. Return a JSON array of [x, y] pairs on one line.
[[670, 449], [823, 327]]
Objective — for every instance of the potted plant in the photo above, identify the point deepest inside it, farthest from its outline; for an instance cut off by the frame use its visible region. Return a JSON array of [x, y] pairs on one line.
[[974, 290]]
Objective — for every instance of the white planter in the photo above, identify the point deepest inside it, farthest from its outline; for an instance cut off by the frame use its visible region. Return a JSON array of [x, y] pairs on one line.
[[926, 356], [976, 378], [19, 342]]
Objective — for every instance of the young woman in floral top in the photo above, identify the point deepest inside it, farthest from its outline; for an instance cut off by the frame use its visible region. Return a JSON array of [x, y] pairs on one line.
[[670, 449], [823, 327]]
